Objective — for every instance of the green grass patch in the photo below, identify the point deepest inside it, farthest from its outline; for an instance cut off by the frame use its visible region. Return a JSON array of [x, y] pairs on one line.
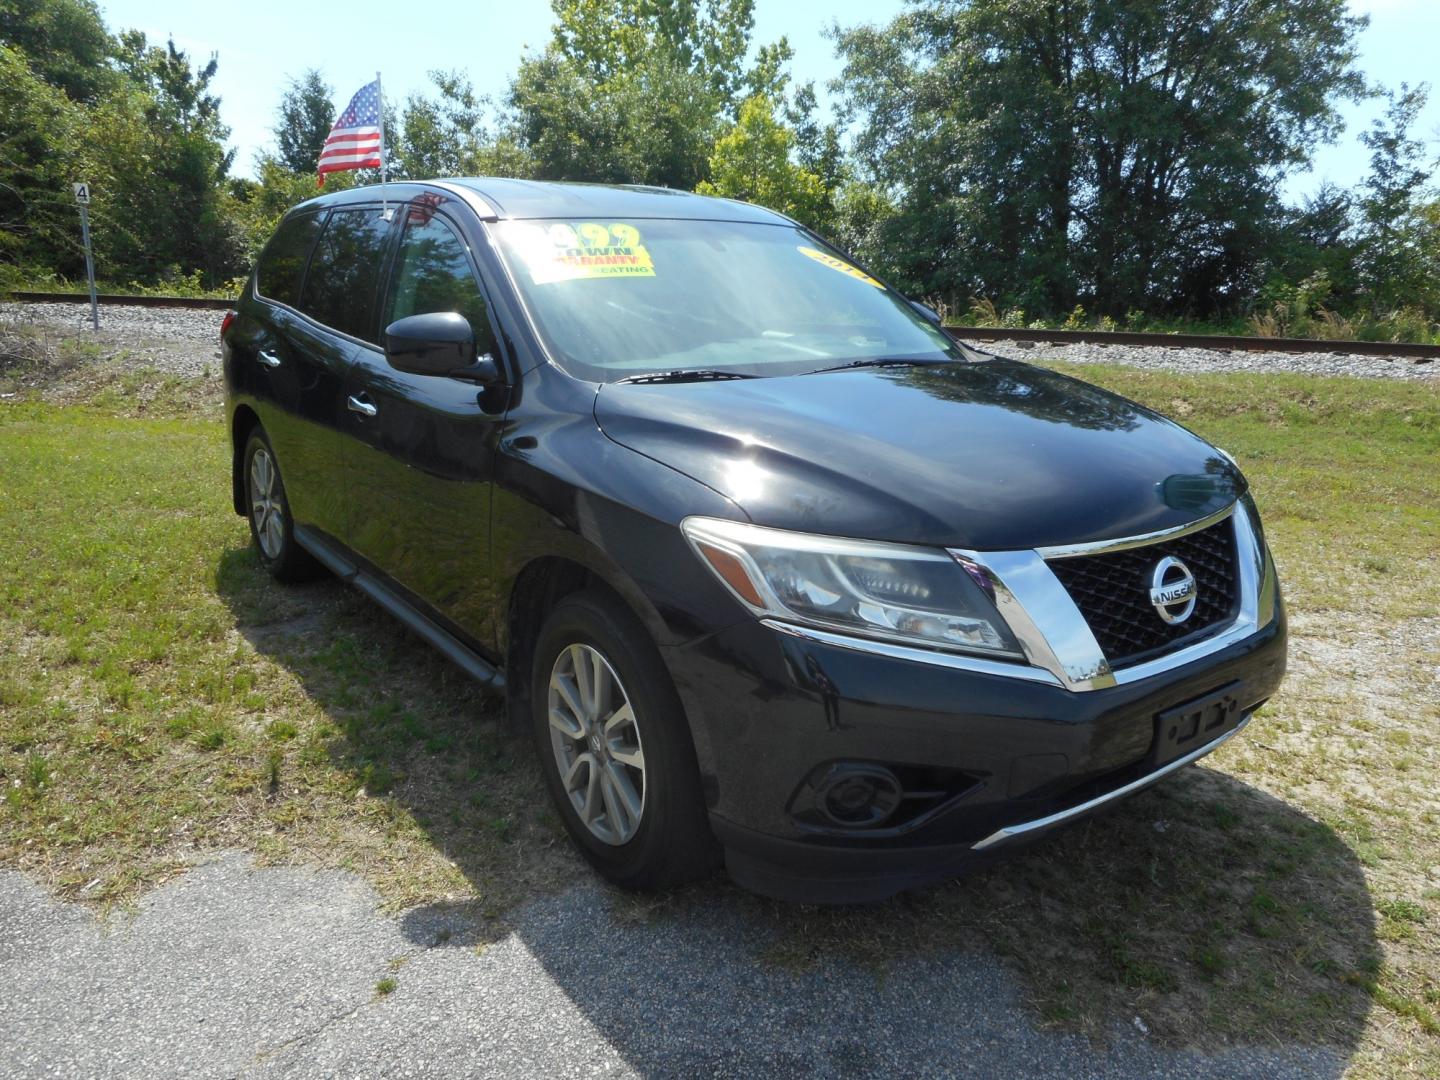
[[160, 698]]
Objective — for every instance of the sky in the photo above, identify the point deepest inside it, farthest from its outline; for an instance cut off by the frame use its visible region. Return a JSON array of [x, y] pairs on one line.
[[264, 42]]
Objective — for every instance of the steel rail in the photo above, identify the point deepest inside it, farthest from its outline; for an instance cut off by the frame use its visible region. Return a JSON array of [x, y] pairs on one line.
[[1215, 342], [133, 301]]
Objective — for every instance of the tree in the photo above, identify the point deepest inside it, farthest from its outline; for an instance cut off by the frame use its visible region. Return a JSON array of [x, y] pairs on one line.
[[305, 117], [446, 135], [1128, 153], [42, 146], [636, 91], [1396, 260], [752, 161], [654, 124], [65, 42], [1316, 241], [605, 39], [164, 211]]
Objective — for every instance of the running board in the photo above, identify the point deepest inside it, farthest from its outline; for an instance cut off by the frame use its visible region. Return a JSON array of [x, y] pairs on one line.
[[449, 646]]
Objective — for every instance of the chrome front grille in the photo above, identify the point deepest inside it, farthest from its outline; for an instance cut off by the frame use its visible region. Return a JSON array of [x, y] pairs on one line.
[[1112, 591]]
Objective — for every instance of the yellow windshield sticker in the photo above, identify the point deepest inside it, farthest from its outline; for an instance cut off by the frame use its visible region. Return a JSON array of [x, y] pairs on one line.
[[838, 264], [564, 252]]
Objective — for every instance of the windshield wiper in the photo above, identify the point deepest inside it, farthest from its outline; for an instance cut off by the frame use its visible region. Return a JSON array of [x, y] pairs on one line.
[[680, 375], [881, 361]]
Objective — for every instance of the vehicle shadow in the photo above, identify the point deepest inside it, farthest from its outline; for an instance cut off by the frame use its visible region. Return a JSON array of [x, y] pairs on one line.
[[1203, 913]]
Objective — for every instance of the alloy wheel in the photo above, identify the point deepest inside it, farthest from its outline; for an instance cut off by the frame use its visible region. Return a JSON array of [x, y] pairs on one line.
[[265, 506], [596, 742]]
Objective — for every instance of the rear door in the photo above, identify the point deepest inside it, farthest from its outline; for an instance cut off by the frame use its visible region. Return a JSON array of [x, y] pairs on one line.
[[422, 463], [295, 370]]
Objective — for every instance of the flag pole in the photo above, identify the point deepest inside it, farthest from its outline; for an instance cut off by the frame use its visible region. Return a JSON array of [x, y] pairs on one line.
[[384, 202]]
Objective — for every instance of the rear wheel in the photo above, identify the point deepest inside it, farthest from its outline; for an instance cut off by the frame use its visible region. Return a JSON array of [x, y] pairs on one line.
[[269, 513], [615, 749]]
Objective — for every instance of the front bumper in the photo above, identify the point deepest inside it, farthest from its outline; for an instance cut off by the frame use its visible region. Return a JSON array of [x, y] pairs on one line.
[[767, 708]]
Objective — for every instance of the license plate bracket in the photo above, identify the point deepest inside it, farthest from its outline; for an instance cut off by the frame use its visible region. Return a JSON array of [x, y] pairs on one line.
[[1191, 724]]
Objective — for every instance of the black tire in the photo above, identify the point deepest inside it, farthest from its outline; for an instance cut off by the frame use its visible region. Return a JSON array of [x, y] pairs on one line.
[[672, 843], [279, 553]]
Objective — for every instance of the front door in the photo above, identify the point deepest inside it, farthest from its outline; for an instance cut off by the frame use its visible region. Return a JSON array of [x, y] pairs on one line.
[[421, 462], [297, 372]]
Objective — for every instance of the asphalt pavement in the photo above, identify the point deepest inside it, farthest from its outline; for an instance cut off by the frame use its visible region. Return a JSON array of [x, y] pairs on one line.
[[232, 970]]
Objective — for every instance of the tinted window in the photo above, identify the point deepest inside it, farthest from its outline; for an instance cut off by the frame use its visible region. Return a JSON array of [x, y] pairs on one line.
[[432, 273], [283, 261], [340, 287]]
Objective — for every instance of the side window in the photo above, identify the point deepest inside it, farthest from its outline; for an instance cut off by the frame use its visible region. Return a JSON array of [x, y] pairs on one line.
[[344, 272], [282, 263], [432, 273]]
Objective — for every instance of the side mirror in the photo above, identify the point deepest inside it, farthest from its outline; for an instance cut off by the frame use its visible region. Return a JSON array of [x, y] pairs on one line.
[[440, 343], [927, 311]]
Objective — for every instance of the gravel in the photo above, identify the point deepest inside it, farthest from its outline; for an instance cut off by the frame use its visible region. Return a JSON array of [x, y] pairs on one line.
[[1197, 361], [183, 341], [177, 341], [231, 970]]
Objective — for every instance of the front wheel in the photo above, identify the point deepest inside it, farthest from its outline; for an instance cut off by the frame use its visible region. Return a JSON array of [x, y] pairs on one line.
[[615, 749]]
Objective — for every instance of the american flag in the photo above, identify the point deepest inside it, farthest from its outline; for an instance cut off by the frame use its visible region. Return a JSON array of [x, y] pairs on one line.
[[354, 141]]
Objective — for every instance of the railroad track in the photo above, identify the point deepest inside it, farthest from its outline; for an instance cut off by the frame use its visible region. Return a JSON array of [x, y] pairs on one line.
[[1214, 342], [128, 301]]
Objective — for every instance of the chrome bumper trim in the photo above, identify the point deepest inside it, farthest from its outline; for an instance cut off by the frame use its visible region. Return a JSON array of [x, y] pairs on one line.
[[1025, 828], [1125, 543]]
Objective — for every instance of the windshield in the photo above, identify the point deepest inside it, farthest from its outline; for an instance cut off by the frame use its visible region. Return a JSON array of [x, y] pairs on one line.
[[619, 299]]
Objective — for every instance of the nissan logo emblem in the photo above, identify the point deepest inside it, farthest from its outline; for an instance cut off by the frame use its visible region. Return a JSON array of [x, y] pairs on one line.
[[1172, 590]]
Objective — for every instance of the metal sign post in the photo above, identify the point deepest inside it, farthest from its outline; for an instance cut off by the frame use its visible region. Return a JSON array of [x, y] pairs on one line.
[[82, 200]]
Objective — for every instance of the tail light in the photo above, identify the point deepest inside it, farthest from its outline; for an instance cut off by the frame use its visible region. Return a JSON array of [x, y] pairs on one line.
[[225, 325]]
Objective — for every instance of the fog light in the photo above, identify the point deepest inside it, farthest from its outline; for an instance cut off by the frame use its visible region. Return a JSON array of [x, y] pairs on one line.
[[858, 795]]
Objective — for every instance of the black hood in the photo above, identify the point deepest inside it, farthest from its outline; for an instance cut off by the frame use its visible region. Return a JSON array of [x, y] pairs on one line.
[[994, 455]]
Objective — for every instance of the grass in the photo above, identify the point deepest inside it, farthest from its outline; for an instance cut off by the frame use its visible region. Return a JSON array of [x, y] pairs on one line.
[[189, 285], [160, 698]]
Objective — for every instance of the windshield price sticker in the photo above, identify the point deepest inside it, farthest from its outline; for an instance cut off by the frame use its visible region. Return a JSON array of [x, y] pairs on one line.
[[838, 264], [563, 252]]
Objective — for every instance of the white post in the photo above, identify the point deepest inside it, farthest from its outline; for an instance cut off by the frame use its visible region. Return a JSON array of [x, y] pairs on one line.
[[89, 265], [81, 190], [384, 202]]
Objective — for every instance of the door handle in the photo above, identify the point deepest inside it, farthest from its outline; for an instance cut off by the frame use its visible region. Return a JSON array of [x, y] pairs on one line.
[[361, 404], [269, 359]]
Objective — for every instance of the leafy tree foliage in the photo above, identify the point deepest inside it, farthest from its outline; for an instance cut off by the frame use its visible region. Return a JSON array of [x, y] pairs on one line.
[[136, 120], [651, 125], [65, 41], [606, 39], [169, 214], [753, 161], [1317, 241], [42, 141], [446, 135], [305, 117], [1044, 150], [637, 91], [1399, 257]]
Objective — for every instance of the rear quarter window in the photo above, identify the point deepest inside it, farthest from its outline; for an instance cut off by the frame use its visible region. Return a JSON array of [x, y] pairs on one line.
[[282, 263], [344, 272]]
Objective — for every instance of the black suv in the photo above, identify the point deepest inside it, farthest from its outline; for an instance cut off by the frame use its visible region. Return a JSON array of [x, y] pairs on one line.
[[771, 566]]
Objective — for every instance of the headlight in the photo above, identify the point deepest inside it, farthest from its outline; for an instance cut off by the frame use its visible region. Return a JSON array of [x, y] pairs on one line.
[[913, 595]]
